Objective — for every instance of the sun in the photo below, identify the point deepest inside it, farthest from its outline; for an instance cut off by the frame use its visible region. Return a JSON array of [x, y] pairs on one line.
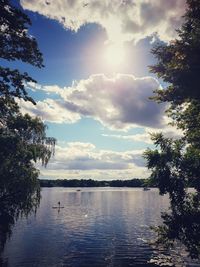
[[114, 55]]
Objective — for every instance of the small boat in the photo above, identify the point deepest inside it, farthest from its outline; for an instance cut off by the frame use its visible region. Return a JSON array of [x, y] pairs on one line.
[[78, 190], [146, 188]]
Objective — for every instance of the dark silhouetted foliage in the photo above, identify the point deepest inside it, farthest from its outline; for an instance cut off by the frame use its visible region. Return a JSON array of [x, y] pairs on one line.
[[23, 140], [94, 183], [175, 164]]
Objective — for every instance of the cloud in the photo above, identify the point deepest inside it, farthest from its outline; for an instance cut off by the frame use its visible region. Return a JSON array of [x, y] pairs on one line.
[[46, 88], [84, 156], [145, 137], [120, 102], [137, 172], [49, 110], [78, 159], [123, 20], [140, 137]]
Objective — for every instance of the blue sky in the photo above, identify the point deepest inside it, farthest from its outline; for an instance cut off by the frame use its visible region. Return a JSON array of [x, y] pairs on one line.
[[93, 91]]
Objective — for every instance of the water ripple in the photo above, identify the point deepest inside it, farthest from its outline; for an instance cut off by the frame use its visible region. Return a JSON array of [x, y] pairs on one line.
[[97, 228]]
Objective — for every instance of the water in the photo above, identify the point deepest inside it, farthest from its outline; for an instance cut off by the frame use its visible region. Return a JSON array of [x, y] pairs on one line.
[[97, 227]]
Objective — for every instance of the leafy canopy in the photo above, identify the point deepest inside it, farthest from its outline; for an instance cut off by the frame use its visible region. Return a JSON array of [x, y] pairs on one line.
[[23, 139], [175, 164]]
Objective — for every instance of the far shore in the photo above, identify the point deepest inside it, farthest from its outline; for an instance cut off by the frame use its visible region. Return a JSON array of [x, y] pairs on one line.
[[136, 182]]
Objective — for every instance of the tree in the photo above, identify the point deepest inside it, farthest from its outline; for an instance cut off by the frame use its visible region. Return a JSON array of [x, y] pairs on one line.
[[175, 164], [23, 140], [178, 62], [16, 44]]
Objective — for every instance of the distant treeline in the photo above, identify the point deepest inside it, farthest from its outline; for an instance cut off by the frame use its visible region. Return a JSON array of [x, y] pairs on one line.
[[94, 183]]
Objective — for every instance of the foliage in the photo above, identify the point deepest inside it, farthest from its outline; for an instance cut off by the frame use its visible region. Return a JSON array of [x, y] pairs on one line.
[[16, 44], [27, 201], [174, 163], [23, 139], [178, 62], [93, 183], [175, 166]]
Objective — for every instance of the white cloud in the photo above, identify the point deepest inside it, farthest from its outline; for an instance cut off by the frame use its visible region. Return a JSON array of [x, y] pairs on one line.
[[49, 110], [137, 172], [78, 160], [120, 102], [122, 19], [46, 88], [84, 156], [140, 137], [145, 137]]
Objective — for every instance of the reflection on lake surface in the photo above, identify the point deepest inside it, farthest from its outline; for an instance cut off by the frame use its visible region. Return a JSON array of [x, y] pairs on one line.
[[97, 227]]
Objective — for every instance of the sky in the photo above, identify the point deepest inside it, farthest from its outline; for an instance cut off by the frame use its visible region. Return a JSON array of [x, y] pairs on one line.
[[93, 93]]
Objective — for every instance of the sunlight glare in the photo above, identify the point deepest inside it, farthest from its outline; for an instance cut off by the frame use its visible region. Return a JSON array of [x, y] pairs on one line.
[[114, 55]]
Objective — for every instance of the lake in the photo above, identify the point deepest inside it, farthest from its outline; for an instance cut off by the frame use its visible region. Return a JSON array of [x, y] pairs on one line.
[[97, 227]]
